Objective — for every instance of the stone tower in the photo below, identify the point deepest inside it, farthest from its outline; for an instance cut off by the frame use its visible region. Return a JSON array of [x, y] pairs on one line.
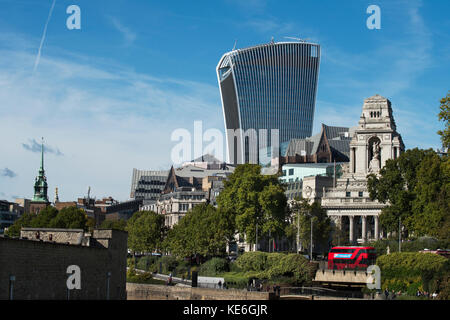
[[375, 139]]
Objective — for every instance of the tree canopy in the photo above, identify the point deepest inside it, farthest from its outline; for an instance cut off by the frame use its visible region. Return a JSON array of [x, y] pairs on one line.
[[444, 115], [303, 210], [50, 217], [204, 231], [416, 188], [146, 231], [114, 224], [251, 199]]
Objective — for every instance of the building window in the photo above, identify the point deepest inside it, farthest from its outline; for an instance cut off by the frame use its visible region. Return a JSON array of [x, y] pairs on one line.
[[291, 172], [284, 172], [347, 194], [360, 194]]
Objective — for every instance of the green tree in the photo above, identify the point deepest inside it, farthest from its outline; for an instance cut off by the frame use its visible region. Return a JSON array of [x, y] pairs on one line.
[[146, 231], [69, 218], [395, 186], [23, 221], [114, 224], [431, 206], [44, 217], [444, 115], [251, 199], [321, 223], [202, 231]]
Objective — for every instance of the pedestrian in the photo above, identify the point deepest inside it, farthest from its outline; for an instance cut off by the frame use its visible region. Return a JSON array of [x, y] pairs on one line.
[[220, 284], [386, 293]]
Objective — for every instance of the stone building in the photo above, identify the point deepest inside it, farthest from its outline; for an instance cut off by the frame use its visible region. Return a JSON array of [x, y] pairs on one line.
[[35, 265], [347, 201]]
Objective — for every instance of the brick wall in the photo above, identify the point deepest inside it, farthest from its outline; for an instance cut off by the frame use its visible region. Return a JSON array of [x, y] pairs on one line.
[[39, 267]]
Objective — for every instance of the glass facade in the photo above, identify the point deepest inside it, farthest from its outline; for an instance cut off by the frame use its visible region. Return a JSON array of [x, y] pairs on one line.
[[270, 86]]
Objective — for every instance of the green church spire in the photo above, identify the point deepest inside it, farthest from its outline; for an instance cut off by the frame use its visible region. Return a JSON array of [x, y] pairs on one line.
[[40, 184]]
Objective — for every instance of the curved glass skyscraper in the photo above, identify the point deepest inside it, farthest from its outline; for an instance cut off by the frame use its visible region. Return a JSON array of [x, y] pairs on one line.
[[269, 86]]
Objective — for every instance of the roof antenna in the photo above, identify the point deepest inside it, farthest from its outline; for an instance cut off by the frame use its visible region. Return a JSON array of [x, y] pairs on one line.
[[234, 47]]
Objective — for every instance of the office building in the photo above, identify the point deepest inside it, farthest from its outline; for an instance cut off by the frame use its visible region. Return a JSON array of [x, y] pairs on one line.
[[269, 86]]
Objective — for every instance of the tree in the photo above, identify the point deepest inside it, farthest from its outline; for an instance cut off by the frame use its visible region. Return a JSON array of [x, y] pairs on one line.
[[44, 217], [23, 221], [202, 231], [395, 186], [416, 187], [444, 115], [69, 218], [252, 199], [321, 223], [146, 231], [114, 224], [431, 207]]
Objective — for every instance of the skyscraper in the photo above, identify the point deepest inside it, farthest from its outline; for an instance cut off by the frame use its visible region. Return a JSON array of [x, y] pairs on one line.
[[269, 86]]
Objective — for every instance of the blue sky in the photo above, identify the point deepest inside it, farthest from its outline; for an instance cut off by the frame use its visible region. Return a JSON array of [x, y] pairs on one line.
[[106, 98]]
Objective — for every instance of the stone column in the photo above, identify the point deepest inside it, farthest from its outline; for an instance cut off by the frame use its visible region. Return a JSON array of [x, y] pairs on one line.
[[364, 229], [351, 229], [377, 233]]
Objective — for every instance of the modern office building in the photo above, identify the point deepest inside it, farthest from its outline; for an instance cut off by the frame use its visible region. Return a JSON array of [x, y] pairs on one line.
[[147, 184], [269, 86]]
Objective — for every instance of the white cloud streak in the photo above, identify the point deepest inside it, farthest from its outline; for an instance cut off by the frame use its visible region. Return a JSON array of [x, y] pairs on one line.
[[38, 57]]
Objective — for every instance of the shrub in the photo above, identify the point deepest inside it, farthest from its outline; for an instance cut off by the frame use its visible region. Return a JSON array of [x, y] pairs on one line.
[[252, 261], [402, 270], [169, 264], [148, 263], [213, 267], [294, 266]]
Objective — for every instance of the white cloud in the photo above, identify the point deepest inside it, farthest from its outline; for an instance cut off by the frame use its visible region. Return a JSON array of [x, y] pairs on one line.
[[128, 35]]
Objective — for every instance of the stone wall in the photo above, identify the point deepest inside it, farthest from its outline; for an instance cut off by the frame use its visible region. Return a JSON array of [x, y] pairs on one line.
[[137, 291], [39, 267]]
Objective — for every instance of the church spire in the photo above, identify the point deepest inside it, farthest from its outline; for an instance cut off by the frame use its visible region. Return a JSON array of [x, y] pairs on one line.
[[42, 155], [40, 185]]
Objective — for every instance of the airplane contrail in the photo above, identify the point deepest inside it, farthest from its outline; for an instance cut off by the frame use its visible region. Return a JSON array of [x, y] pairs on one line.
[[38, 57]]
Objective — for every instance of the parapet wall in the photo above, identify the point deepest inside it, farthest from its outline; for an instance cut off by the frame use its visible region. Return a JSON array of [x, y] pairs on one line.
[[137, 291], [37, 269]]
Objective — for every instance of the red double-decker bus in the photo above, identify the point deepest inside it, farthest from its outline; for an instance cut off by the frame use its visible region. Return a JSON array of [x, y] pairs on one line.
[[351, 257]]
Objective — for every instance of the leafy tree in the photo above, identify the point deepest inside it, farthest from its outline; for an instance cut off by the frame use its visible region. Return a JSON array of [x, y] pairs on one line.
[[444, 115], [146, 231], [69, 218], [431, 206], [395, 185], [251, 199], [321, 223], [202, 231], [23, 221], [90, 223], [114, 224], [44, 217]]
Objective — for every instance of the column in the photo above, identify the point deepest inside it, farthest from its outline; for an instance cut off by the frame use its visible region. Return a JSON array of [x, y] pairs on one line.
[[377, 234], [351, 229], [364, 229]]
